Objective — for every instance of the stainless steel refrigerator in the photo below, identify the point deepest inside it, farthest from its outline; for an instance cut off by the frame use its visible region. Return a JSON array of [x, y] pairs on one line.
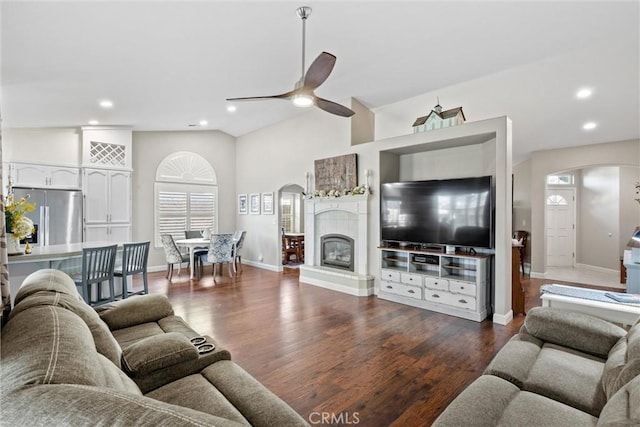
[[58, 215]]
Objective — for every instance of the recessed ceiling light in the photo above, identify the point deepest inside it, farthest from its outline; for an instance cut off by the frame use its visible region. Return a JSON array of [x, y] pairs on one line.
[[94, 122], [203, 122], [105, 103], [584, 93], [231, 108], [589, 126]]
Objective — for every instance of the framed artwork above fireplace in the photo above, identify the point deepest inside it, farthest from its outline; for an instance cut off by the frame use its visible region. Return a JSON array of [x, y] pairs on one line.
[[336, 173]]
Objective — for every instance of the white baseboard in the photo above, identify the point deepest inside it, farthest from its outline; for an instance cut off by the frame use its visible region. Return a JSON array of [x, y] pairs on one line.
[[276, 268], [503, 319], [598, 269]]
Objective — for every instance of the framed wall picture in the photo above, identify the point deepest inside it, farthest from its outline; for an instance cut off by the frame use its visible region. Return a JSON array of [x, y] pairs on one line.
[[254, 203], [267, 203], [242, 204], [336, 173]]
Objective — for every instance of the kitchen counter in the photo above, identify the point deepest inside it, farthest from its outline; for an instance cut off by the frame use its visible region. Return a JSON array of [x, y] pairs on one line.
[[67, 258], [55, 252]]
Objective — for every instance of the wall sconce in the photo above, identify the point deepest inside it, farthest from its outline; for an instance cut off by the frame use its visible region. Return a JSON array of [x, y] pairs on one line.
[[634, 244], [307, 185]]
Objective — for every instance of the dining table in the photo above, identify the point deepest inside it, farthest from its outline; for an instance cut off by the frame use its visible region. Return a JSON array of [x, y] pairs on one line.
[[191, 245]]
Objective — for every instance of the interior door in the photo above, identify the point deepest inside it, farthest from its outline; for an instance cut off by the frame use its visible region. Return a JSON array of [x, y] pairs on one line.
[[560, 227]]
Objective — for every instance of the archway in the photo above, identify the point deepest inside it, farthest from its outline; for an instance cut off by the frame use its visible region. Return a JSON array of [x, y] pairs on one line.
[[290, 210]]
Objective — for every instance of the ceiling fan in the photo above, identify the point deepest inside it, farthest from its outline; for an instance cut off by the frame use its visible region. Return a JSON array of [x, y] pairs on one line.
[[302, 95]]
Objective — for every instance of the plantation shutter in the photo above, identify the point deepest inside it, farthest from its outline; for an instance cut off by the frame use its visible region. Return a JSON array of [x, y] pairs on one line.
[[172, 213], [181, 207]]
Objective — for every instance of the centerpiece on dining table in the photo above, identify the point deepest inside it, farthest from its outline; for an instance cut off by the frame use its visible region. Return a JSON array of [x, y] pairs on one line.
[[18, 226]]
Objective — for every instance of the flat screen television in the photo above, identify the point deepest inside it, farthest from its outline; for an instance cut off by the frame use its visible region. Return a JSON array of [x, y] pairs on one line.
[[442, 212]]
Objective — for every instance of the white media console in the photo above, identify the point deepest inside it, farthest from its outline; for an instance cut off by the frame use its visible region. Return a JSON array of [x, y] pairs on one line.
[[454, 284]]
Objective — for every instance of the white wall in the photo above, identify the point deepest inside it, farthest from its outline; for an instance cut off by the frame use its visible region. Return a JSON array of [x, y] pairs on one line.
[[622, 153], [59, 146], [522, 196], [629, 208], [279, 155], [599, 226], [150, 148]]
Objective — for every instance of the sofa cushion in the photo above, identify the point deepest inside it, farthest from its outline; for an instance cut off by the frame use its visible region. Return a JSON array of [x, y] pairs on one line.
[[492, 401], [623, 363], [79, 405], [568, 376], [258, 405], [135, 310], [47, 280], [575, 330], [157, 352], [155, 379], [195, 392], [51, 345], [623, 408], [128, 336], [514, 362], [105, 343]]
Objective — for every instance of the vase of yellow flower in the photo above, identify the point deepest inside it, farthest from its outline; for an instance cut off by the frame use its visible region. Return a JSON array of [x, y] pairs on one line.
[[18, 226]]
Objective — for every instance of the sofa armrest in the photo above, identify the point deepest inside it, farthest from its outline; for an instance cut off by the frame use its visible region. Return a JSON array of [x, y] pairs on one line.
[[574, 330], [156, 353], [135, 310]]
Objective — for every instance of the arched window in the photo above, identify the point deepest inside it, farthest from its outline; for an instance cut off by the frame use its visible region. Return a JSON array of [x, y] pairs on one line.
[[556, 200], [186, 195]]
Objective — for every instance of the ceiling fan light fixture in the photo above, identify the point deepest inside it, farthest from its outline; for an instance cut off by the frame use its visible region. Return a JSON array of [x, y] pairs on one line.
[[302, 100]]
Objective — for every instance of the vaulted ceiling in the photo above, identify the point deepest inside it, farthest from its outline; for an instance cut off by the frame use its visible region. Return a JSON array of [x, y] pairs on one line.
[[167, 65]]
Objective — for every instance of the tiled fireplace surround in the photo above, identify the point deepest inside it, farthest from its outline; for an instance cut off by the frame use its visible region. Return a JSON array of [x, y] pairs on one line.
[[349, 216]]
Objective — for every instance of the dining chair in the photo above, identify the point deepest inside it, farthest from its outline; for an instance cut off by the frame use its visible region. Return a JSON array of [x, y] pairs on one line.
[[134, 261], [522, 236], [172, 254], [197, 251], [289, 249], [238, 241], [220, 252], [97, 268]]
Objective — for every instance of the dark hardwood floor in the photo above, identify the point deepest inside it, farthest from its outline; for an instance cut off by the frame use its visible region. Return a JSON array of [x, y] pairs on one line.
[[359, 358]]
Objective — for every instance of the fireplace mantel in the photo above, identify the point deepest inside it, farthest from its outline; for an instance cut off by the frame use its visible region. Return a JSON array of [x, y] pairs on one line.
[[347, 215]]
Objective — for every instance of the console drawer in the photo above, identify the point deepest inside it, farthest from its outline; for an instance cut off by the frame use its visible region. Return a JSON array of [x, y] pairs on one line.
[[463, 301], [391, 275], [403, 290], [411, 279], [438, 296], [466, 288], [436, 283]]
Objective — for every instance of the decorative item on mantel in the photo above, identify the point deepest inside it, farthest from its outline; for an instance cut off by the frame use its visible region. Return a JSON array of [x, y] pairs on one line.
[[337, 177], [437, 119], [18, 226]]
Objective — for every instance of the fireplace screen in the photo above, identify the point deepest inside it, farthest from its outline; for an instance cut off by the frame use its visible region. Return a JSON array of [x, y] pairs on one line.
[[336, 251]]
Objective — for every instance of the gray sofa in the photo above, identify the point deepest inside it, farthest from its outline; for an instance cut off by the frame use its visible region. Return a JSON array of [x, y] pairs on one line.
[[127, 363], [562, 369]]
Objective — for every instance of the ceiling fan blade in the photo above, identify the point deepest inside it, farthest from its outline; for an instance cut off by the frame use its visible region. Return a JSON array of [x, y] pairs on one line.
[[285, 95], [333, 107], [319, 71]]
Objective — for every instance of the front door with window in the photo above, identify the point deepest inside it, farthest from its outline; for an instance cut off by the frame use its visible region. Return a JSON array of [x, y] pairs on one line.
[[560, 231]]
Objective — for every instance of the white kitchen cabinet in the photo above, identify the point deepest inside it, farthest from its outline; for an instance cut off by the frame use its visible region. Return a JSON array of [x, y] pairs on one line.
[[107, 210], [44, 176], [453, 284]]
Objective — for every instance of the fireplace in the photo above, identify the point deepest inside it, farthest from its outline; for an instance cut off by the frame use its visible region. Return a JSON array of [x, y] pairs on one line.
[[336, 251], [335, 244]]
